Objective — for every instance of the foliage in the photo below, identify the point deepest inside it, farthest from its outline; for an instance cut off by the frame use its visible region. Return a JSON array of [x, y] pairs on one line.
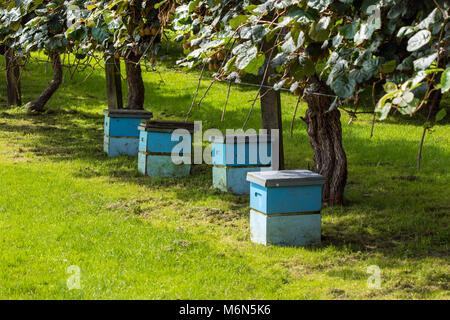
[[350, 44], [120, 27], [28, 26], [115, 27]]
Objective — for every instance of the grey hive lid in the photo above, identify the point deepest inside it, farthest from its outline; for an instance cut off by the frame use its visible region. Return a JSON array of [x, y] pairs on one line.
[[165, 126], [240, 138], [285, 178], [127, 113]]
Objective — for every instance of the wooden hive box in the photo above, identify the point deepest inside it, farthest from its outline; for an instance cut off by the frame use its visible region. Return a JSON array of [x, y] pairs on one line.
[[233, 156], [156, 148], [121, 134], [285, 207]]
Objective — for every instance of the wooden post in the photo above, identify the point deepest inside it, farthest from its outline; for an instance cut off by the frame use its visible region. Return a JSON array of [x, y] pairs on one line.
[[113, 83], [271, 118], [271, 110], [13, 78]]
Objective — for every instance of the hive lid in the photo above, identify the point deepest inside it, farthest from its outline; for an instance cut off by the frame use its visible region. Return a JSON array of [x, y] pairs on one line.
[[165, 126], [127, 113], [285, 178], [240, 138]]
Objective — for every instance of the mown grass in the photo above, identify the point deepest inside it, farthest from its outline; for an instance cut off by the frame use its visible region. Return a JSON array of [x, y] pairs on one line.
[[63, 203]]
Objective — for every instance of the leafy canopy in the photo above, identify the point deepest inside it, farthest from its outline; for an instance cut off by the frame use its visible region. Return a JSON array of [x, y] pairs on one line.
[[349, 44], [28, 26]]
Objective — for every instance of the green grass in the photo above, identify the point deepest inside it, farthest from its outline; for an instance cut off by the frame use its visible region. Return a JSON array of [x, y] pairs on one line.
[[63, 203]]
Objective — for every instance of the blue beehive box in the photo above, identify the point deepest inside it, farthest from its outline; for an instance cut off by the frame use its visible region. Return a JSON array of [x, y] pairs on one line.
[[156, 149], [121, 135], [233, 156], [285, 207]]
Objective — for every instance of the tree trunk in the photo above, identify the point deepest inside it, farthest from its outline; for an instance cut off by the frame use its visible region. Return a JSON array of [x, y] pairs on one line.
[[325, 135], [13, 78], [271, 109], [113, 83], [40, 102], [136, 90]]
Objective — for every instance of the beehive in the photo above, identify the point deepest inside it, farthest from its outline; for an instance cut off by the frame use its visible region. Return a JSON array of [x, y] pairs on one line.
[[233, 156], [121, 134], [285, 207], [156, 148]]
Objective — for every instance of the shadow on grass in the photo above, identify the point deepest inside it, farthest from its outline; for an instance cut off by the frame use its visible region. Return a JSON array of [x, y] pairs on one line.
[[377, 217], [377, 222]]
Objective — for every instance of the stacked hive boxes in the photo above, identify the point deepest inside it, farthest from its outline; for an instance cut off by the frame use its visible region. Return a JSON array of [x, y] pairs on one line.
[[159, 155], [285, 207], [233, 156], [121, 135]]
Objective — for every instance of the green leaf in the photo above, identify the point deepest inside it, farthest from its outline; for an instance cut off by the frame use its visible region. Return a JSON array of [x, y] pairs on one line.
[[348, 31], [99, 34], [305, 67], [159, 4], [434, 17], [238, 20], [277, 86], [383, 107], [301, 16], [372, 65], [344, 87], [278, 60], [365, 32], [258, 33], [193, 4], [410, 107], [406, 64], [445, 80], [319, 30], [440, 115], [77, 34], [254, 65], [319, 4], [359, 75], [398, 10], [417, 41], [289, 45], [424, 62], [384, 112], [389, 66], [294, 87], [339, 69], [243, 59]]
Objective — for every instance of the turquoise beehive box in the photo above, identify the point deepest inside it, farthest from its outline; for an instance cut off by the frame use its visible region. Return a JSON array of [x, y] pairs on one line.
[[233, 156], [285, 207], [121, 134], [165, 148]]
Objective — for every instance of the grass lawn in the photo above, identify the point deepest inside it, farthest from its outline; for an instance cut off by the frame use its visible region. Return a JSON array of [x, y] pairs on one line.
[[64, 203]]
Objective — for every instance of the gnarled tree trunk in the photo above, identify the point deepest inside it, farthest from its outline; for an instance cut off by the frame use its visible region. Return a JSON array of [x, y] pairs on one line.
[[13, 78], [136, 90], [40, 102], [325, 135]]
